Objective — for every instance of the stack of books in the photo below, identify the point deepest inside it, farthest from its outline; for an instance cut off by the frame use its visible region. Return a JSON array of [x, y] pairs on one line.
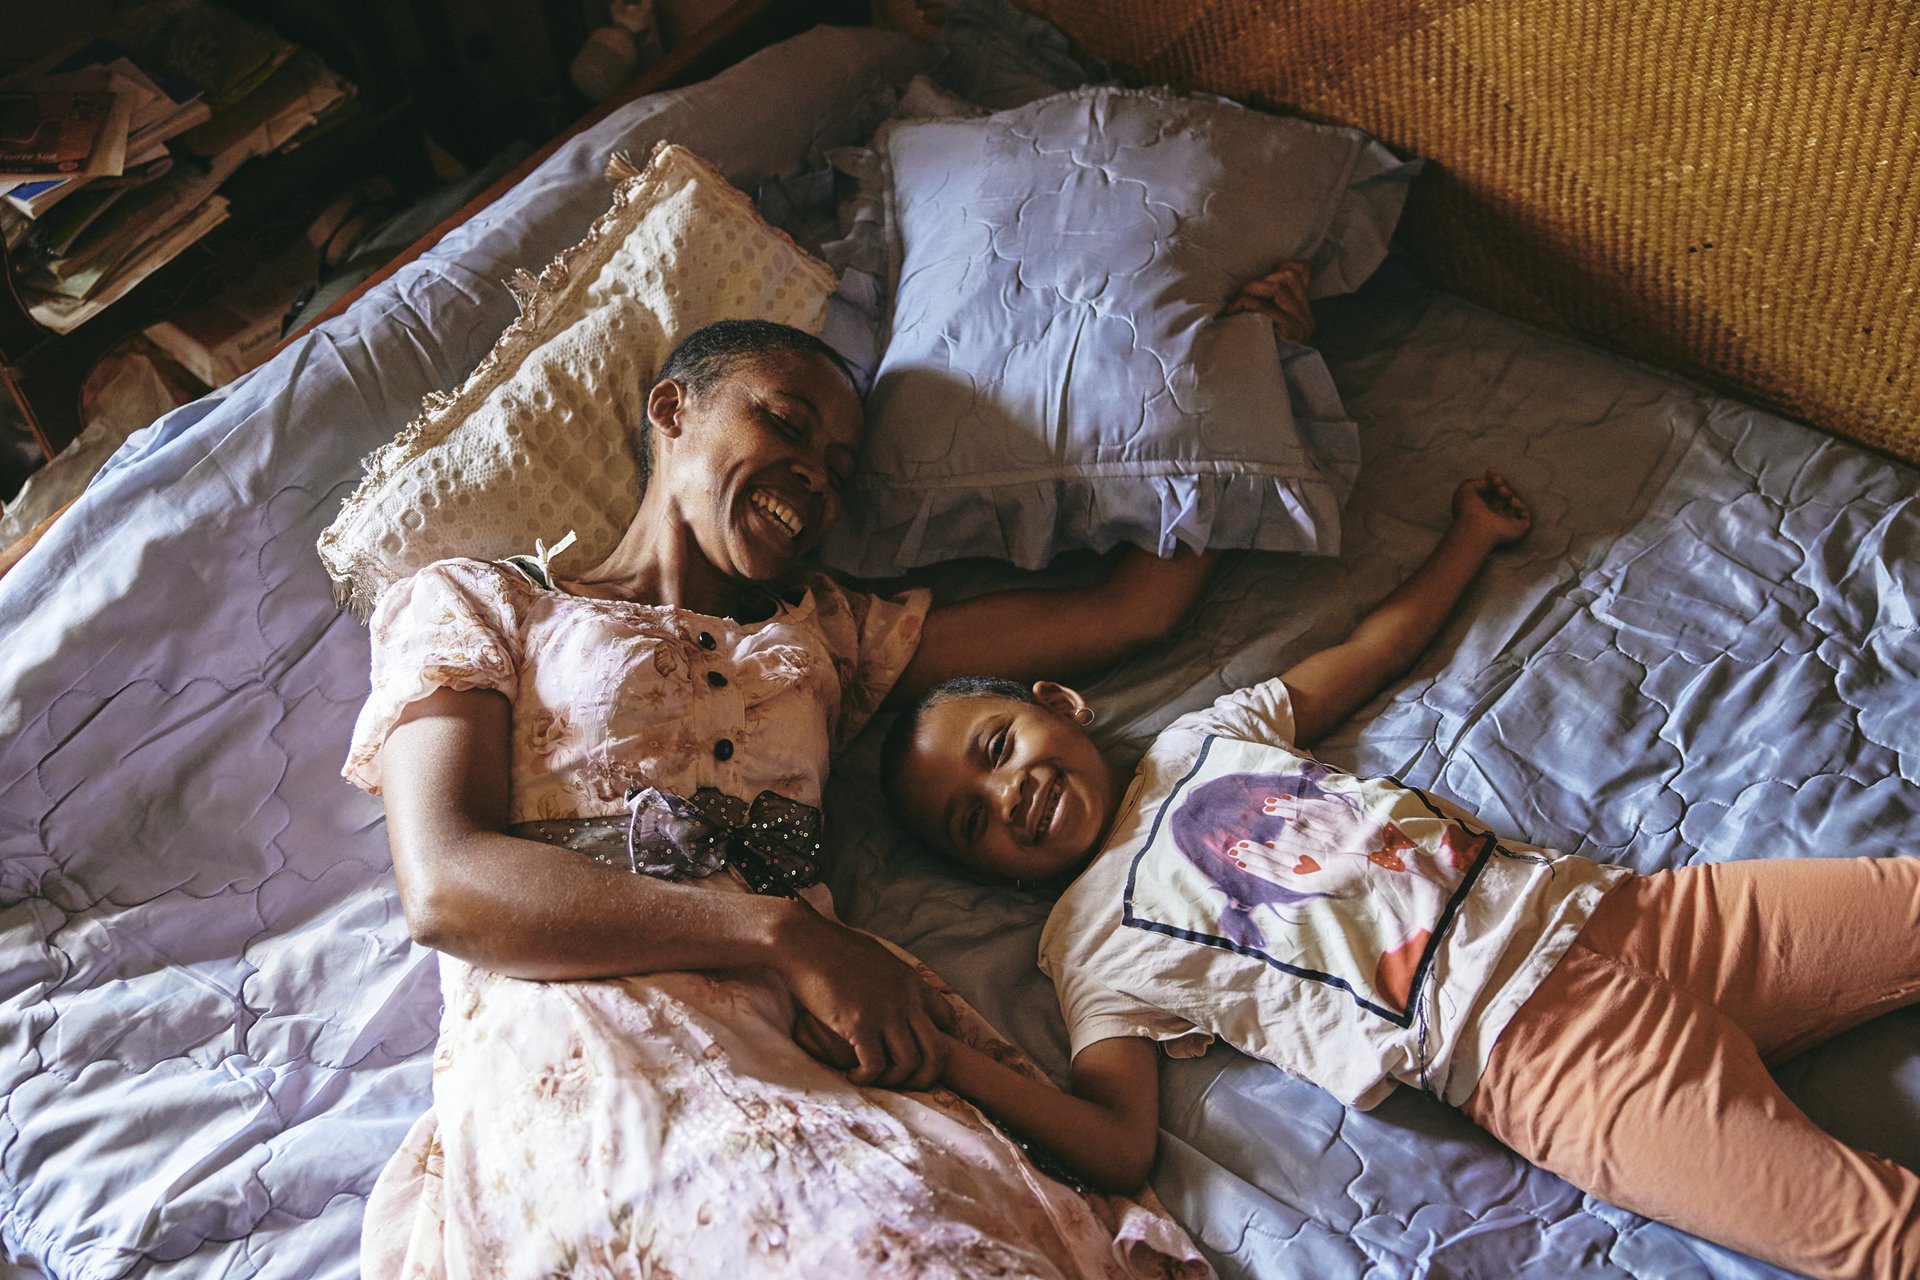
[[112, 155]]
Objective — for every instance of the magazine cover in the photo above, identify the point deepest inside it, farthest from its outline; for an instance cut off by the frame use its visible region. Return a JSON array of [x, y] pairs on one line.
[[50, 132]]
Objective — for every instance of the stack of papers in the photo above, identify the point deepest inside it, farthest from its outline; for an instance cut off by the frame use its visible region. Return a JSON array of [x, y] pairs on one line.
[[104, 243], [299, 94], [75, 125], [225, 54], [65, 314], [219, 340], [147, 110], [114, 153]]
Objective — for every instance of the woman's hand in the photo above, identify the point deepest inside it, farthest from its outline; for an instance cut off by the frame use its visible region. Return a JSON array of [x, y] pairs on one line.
[[1488, 506], [1281, 297], [820, 1041], [859, 1006]]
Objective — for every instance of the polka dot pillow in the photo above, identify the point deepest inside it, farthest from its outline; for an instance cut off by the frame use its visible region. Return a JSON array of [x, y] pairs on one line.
[[543, 435]]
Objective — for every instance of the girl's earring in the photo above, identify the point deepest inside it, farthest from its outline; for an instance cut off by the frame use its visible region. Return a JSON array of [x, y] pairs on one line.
[[1083, 716]]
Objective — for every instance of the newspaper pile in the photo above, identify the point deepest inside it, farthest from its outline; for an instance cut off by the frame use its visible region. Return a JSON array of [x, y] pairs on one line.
[[112, 155]]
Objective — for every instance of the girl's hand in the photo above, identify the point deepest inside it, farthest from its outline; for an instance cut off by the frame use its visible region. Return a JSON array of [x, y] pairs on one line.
[[1487, 505], [1281, 297]]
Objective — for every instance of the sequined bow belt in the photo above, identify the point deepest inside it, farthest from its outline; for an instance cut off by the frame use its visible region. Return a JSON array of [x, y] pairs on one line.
[[773, 842]]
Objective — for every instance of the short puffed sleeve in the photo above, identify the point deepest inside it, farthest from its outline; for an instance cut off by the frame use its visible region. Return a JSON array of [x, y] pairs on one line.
[[452, 625], [872, 638]]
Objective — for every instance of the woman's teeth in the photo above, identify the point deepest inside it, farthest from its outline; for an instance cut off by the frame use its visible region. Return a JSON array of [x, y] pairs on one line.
[[784, 515]]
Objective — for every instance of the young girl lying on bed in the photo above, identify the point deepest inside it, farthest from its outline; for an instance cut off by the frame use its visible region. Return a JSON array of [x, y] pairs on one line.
[[1612, 1027]]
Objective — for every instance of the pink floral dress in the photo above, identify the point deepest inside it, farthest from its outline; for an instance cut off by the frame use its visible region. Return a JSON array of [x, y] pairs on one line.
[[667, 1125]]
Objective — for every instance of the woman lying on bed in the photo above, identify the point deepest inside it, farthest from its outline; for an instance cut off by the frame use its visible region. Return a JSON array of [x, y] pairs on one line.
[[672, 1118]]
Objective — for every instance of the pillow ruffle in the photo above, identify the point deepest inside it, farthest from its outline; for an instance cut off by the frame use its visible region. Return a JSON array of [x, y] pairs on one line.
[[543, 436], [1027, 522]]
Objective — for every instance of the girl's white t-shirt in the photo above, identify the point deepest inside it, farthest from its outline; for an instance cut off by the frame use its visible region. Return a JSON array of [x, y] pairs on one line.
[[1355, 932]]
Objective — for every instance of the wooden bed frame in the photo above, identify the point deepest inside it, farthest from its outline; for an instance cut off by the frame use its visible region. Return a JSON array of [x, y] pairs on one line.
[[739, 29]]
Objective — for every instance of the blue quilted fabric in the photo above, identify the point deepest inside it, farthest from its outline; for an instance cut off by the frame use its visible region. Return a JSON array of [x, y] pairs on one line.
[[1057, 374]]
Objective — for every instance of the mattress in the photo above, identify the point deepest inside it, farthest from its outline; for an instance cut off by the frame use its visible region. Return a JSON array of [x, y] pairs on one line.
[[217, 1028]]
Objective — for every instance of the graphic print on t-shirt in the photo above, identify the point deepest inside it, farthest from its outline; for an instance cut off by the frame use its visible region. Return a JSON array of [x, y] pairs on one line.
[[1321, 875]]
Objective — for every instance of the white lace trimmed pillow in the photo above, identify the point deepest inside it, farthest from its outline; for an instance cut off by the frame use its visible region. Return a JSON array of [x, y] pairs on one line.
[[543, 436]]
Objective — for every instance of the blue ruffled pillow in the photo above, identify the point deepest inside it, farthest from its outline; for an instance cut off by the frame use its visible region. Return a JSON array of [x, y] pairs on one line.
[[1057, 375]]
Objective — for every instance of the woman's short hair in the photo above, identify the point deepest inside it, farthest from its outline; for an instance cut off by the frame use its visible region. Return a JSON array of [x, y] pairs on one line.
[[709, 355], [706, 356]]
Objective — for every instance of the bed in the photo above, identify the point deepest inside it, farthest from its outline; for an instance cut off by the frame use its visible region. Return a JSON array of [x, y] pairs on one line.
[[218, 1028]]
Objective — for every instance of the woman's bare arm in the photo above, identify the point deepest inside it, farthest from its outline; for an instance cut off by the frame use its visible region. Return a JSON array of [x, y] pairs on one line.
[[1058, 634], [530, 910], [520, 907], [1106, 1129]]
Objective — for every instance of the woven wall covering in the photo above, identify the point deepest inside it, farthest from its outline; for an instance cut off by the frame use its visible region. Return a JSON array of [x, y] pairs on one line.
[[1730, 188]]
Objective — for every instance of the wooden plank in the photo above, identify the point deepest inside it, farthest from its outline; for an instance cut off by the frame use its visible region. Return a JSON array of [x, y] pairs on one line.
[[11, 555]]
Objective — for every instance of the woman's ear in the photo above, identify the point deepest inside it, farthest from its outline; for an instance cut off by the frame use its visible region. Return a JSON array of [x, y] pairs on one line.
[[664, 403], [1068, 702]]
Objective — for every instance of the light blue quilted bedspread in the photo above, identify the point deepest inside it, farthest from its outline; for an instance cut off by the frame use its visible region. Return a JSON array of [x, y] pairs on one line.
[[216, 1029], [1705, 650]]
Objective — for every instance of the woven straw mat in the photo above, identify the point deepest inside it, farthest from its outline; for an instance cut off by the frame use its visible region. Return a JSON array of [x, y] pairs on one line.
[[1730, 188]]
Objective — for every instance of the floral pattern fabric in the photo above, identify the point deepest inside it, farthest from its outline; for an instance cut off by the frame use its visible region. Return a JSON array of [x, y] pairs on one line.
[[609, 695], [667, 1125]]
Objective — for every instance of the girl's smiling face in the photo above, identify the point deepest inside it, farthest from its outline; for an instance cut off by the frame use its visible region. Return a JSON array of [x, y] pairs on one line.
[[1015, 789]]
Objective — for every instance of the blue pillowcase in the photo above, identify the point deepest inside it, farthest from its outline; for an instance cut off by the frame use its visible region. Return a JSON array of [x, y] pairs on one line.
[[1057, 374]]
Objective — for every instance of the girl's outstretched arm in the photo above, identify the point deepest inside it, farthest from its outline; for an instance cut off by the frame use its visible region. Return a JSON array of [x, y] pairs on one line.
[[1106, 1128], [1328, 686]]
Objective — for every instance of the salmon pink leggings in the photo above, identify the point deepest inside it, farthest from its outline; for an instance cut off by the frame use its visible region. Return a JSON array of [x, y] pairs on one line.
[[1638, 1070]]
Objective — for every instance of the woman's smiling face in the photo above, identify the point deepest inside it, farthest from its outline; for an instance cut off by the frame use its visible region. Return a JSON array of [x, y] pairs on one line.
[[1012, 788], [758, 461]]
